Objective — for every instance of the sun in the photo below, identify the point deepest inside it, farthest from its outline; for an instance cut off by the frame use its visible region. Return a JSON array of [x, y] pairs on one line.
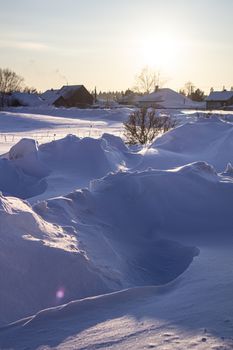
[[162, 53]]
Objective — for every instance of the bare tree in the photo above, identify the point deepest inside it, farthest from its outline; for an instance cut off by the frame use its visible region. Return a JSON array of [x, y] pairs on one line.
[[30, 90], [147, 81], [191, 92], [9, 82], [189, 88], [144, 125]]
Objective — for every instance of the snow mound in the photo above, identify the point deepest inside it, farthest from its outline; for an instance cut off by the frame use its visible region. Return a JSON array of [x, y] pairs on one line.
[[23, 148], [167, 197], [156, 217], [25, 155], [72, 160], [90, 157], [200, 169], [229, 170], [197, 136], [209, 140], [18, 218], [115, 142], [40, 262], [22, 172], [14, 182]]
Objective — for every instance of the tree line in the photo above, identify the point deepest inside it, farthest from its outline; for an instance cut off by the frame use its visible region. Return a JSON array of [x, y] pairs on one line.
[[11, 82], [146, 81]]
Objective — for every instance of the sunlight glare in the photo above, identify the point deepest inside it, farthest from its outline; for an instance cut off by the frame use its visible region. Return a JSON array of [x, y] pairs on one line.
[[162, 53]]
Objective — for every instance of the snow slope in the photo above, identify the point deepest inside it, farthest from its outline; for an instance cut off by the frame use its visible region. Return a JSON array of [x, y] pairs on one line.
[[41, 263], [147, 233], [13, 181], [194, 312], [60, 166], [46, 124], [87, 244], [143, 217], [209, 140], [22, 173]]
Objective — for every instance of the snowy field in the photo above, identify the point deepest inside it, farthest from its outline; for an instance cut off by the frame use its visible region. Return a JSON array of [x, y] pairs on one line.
[[48, 124], [109, 246]]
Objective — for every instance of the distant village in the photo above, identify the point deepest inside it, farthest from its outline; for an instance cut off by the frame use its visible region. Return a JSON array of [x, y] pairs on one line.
[[148, 93], [78, 96]]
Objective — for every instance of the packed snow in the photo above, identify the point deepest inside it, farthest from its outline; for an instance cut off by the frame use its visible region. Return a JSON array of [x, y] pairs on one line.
[[104, 245]]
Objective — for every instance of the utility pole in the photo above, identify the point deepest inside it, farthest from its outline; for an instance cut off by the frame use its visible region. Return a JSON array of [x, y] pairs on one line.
[[95, 95]]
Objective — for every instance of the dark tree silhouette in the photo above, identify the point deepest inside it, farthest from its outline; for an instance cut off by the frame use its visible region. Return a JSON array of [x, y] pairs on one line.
[[9, 82], [144, 125], [197, 95]]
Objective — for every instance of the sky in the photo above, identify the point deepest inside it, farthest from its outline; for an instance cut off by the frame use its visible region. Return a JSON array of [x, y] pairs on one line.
[[107, 43]]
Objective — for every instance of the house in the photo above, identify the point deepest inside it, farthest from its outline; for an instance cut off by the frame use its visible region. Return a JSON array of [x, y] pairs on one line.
[[50, 96], [219, 99], [69, 96], [25, 99], [168, 98]]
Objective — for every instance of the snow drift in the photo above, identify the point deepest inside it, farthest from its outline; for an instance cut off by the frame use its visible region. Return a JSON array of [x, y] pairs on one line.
[[14, 182], [71, 162], [129, 228], [136, 238], [90, 157], [27, 168], [41, 263], [192, 312], [209, 140], [22, 173]]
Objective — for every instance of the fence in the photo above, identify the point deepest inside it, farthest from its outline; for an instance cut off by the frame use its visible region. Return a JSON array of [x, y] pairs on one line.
[[53, 135]]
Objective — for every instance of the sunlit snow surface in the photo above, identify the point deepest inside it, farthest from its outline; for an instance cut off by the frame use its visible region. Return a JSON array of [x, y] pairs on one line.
[[144, 233]]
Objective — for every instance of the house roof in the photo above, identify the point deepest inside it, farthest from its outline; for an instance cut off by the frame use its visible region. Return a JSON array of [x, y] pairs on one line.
[[67, 90], [153, 97], [167, 98], [220, 96], [50, 96], [27, 99]]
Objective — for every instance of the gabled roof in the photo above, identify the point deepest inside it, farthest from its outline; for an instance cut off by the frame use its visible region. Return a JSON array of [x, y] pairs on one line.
[[167, 98], [67, 90], [50, 96], [153, 97], [220, 96], [27, 99]]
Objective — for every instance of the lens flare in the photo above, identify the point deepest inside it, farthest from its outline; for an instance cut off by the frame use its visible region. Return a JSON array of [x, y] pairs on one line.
[[60, 293]]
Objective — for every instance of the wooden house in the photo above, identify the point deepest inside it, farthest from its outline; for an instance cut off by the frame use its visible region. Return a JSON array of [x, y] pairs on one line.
[[69, 96], [219, 99]]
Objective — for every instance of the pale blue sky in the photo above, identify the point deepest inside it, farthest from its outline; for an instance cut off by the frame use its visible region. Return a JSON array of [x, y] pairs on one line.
[[106, 43]]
